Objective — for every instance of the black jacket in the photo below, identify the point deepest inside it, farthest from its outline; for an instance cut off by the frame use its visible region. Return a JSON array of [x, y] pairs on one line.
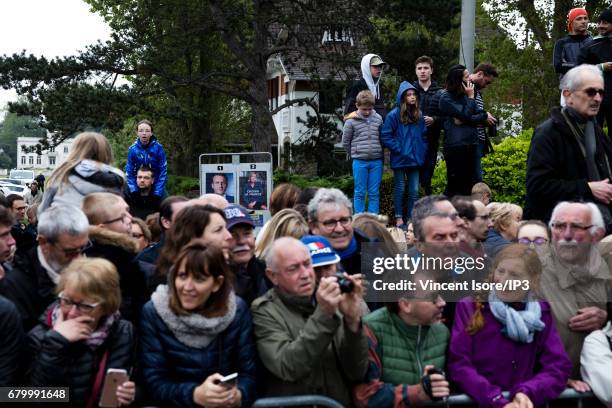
[[429, 102], [141, 206], [251, 282], [121, 250], [598, 52], [11, 341], [29, 287], [556, 168], [55, 362], [567, 49], [351, 95]]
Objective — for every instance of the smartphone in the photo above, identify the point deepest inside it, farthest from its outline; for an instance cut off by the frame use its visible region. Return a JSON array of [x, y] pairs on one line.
[[229, 381], [114, 378]]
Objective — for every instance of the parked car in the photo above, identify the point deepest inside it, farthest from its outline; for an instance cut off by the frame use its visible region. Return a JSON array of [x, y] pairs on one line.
[[24, 177], [10, 188]]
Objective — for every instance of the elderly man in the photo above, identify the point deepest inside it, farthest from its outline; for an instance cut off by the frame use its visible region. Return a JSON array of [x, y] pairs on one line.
[[309, 338], [570, 157], [329, 215], [63, 235], [250, 281], [575, 278]]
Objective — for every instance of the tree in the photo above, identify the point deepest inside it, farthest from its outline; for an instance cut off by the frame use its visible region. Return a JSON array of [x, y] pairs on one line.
[[186, 53], [11, 128]]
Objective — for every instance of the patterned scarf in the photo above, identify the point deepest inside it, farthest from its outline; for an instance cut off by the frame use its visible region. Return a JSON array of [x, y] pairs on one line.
[[97, 338]]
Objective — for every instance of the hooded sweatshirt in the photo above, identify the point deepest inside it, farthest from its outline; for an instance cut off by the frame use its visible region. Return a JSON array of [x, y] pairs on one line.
[[366, 83], [407, 142]]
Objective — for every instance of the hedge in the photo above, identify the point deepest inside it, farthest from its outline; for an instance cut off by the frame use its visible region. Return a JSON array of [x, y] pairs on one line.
[[504, 171]]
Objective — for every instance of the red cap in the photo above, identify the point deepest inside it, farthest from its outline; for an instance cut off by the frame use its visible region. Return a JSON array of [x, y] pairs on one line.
[[571, 16]]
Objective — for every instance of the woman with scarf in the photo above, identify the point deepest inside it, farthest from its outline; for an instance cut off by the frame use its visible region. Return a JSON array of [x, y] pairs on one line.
[[195, 331], [506, 340], [82, 335]]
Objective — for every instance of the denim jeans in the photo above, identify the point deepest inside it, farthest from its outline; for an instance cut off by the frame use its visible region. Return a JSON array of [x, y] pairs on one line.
[[367, 175], [399, 176]]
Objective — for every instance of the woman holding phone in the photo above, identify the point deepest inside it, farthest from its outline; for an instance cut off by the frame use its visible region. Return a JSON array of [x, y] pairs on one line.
[[82, 335], [462, 114], [194, 332]]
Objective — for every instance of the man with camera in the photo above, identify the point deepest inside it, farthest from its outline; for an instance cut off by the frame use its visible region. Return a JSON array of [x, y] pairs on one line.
[[309, 338], [407, 352]]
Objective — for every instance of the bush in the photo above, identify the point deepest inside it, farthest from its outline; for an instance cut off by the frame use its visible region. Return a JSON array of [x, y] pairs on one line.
[[181, 185], [504, 171]]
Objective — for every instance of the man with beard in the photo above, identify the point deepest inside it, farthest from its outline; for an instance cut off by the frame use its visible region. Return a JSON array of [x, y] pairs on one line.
[[143, 202], [63, 235], [575, 278], [309, 338], [569, 156], [599, 52], [249, 271]]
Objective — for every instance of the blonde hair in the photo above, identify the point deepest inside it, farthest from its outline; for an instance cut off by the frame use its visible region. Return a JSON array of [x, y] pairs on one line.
[[98, 206], [87, 145], [501, 214], [285, 223], [532, 265], [479, 190], [94, 278], [382, 219], [365, 99]]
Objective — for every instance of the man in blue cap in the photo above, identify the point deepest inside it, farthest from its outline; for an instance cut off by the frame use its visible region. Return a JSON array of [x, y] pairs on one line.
[[324, 258], [251, 281]]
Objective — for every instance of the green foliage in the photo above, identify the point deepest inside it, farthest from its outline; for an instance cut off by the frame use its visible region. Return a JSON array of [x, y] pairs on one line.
[[181, 185], [11, 128], [504, 171]]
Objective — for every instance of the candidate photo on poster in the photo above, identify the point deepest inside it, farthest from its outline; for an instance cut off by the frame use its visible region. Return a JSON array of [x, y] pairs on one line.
[[222, 184], [253, 191]]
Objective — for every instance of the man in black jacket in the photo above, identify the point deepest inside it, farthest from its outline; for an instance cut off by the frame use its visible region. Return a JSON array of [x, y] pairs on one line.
[[251, 281], [63, 235], [10, 342], [570, 158], [599, 52], [143, 202], [371, 73], [429, 99], [567, 49]]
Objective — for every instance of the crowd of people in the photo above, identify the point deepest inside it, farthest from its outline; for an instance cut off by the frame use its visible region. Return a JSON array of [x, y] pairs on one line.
[[103, 271]]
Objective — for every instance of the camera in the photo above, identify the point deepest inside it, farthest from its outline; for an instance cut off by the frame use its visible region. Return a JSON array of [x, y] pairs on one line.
[[346, 285]]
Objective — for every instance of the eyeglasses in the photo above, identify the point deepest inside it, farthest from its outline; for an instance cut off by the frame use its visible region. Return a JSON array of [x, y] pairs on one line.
[[562, 226], [537, 241], [82, 307], [123, 219], [344, 221], [72, 252], [591, 92]]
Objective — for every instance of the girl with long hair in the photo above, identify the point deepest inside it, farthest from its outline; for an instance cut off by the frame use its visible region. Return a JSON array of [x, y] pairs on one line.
[[505, 339], [403, 133]]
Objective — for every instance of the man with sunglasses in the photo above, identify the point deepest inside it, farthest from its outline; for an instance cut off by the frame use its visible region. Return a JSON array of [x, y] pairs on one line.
[[570, 158], [575, 278], [63, 235]]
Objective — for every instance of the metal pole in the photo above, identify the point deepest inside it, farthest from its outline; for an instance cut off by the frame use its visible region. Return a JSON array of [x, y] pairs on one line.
[[468, 33]]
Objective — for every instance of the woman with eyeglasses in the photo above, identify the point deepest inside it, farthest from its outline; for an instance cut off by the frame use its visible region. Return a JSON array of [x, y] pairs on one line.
[[82, 335], [194, 332], [505, 338], [141, 233], [535, 234], [87, 169]]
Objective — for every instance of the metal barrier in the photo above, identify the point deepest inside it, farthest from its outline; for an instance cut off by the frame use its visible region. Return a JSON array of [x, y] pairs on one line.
[[453, 400], [301, 400]]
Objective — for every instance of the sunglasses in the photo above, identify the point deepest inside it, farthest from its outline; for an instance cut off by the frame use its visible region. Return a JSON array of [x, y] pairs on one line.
[[591, 92]]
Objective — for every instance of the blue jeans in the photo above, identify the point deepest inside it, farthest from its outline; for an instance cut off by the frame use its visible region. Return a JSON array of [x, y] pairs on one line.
[[367, 175], [412, 174]]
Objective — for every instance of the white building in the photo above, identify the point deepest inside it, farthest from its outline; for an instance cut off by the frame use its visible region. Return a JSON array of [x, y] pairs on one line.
[[47, 161]]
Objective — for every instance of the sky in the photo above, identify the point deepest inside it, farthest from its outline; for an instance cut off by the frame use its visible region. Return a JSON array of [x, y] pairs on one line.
[[47, 27]]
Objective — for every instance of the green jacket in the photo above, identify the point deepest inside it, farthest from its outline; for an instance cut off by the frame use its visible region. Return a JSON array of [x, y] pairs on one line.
[[305, 350], [405, 350]]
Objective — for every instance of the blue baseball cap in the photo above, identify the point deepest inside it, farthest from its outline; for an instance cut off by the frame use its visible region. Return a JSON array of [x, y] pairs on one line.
[[236, 214], [321, 251]]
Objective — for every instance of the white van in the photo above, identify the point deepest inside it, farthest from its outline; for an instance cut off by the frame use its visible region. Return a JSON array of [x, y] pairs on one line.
[[24, 176]]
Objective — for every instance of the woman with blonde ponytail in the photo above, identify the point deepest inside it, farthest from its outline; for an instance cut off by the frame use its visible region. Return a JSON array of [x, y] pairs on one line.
[[505, 339]]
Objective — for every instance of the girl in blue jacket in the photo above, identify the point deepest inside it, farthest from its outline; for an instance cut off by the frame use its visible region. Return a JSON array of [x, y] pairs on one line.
[[147, 151], [404, 134]]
